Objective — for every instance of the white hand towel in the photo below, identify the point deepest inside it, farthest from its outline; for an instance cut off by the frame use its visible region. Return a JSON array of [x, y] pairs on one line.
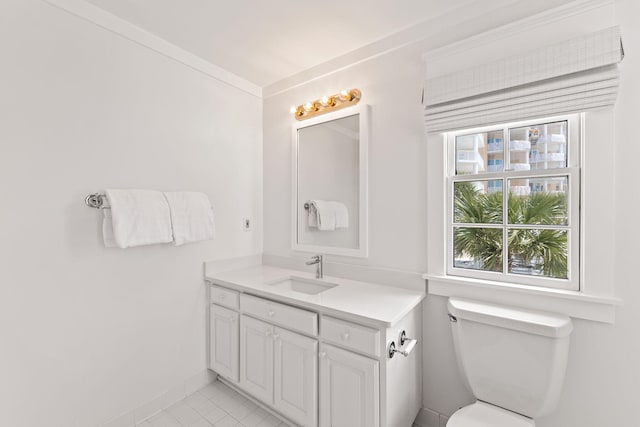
[[107, 229], [138, 217], [342, 214], [191, 217], [312, 215], [328, 215]]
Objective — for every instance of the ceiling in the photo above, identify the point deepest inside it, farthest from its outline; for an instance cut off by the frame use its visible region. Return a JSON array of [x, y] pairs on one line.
[[267, 41]]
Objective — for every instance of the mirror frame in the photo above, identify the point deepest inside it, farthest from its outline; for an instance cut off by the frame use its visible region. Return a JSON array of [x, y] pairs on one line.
[[363, 183]]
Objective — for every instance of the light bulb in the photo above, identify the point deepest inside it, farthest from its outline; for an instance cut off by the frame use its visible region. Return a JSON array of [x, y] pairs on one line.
[[294, 109], [308, 106]]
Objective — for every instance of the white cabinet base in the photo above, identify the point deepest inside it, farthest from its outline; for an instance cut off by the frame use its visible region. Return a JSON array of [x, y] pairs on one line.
[[256, 358], [316, 369], [223, 351], [295, 377], [349, 389]]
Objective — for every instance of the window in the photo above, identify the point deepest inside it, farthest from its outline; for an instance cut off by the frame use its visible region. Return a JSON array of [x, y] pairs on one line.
[[513, 202]]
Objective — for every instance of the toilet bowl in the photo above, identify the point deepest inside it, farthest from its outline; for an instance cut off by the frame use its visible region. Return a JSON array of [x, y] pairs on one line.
[[513, 361], [481, 414]]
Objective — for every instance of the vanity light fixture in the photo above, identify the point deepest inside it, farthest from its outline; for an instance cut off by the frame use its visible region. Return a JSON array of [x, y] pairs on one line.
[[326, 104]]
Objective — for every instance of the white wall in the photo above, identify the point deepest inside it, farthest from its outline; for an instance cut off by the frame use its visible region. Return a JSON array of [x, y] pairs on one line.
[[88, 333], [603, 373]]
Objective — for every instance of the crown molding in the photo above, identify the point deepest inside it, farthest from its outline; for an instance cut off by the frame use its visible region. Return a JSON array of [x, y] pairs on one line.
[[127, 30], [425, 30], [436, 38]]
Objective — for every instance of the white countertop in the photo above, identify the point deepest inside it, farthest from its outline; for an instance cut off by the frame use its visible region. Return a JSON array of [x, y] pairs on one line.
[[368, 302]]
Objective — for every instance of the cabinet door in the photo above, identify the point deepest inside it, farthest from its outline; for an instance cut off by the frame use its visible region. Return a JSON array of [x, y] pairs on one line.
[[223, 350], [296, 377], [256, 358], [349, 389]]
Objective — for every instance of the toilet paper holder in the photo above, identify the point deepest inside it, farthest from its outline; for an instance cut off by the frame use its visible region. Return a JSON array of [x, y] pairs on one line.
[[405, 351]]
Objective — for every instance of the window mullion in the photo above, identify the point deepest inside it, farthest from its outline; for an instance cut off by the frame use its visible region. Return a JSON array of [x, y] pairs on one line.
[[505, 201]]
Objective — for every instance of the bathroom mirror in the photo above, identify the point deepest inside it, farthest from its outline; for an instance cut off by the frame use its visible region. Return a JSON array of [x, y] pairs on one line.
[[329, 191]]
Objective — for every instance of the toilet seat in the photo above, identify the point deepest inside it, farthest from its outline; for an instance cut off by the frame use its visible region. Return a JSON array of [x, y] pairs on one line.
[[481, 414]]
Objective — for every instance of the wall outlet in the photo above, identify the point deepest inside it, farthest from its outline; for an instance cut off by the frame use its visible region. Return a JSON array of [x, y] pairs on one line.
[[246, 224]]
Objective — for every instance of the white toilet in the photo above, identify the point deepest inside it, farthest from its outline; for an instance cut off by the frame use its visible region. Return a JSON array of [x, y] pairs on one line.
[[513, 360]]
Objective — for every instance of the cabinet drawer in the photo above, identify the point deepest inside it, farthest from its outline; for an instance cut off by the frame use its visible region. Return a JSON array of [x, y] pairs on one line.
[[280, 314], [225, 297], [350, 335]]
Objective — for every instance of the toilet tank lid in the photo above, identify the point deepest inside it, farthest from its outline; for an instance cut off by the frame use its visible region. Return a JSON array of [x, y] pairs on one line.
[[520, 319]]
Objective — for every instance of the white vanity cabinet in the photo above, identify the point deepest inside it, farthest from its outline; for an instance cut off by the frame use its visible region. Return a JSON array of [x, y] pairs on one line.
[[315, 367]]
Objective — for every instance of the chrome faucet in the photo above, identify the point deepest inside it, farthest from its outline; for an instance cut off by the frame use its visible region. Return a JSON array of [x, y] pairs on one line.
[[319, 265]]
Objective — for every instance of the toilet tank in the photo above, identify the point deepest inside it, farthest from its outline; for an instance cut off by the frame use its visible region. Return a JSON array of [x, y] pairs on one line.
[[511, 357]]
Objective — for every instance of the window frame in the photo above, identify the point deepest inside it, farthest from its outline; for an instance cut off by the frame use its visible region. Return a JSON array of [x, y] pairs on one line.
[[575, 141]]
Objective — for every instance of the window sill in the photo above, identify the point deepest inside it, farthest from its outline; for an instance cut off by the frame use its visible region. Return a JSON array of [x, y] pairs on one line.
[[572, 303]]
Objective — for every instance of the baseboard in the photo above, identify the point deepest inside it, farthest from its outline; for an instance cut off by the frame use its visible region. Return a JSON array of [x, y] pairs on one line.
[[429, 418], [166, 399]]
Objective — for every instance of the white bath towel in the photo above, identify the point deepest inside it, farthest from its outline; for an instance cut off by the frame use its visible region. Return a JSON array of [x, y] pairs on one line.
[[328, 215], [191, 217], [138, 217]]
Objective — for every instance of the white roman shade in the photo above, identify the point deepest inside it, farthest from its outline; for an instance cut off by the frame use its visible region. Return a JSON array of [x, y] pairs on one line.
[[571, 76]]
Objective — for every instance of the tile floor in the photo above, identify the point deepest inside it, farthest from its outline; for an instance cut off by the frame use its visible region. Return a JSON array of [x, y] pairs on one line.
[[214, 405]]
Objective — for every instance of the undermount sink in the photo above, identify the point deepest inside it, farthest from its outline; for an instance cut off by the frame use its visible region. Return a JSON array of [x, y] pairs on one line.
[[305, 286]]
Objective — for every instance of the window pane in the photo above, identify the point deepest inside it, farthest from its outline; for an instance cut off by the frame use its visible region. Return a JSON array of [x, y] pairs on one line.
[[536, 252], [495, 151], [477, 248], [541, 146], [479, 153], [478, 202], [539, 200]]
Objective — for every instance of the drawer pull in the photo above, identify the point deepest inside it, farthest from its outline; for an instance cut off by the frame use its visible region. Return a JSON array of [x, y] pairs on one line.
[[276, 337], [268, 334], [345, 336], [232, 319], [222, 296], [271, 313], [323, 354]]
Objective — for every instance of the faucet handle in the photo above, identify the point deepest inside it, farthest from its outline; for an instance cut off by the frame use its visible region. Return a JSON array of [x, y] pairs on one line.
[[314, 260]]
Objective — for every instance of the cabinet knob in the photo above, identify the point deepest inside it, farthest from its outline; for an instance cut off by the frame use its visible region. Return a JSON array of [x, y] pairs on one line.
[[345, 336], [232, 319], [271, 313], [268, 334], [276, 337], [323, 354]]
